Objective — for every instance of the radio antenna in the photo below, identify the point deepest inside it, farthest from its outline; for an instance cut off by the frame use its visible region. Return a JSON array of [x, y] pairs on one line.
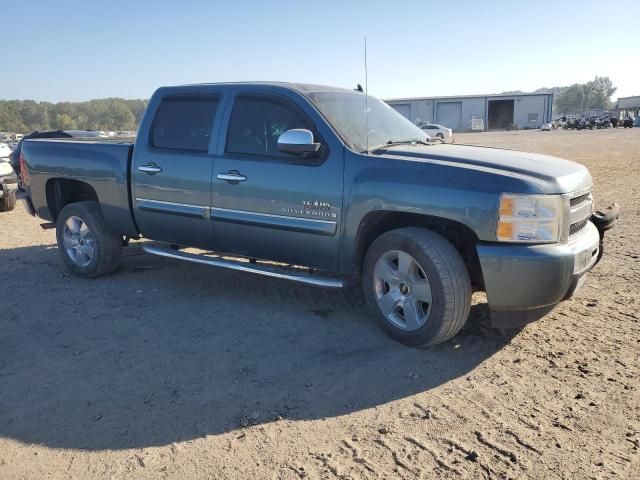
[[366, 96]]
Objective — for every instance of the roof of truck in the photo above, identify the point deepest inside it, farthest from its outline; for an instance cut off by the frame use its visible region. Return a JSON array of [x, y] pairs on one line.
[[299, 87]]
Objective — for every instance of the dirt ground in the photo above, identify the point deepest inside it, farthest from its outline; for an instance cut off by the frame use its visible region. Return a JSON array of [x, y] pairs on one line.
[[172, 370]]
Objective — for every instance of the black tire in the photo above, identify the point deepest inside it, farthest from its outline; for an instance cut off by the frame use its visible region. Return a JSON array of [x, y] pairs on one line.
[[440, 137], [107, 245], [8, 203], [446, 274]]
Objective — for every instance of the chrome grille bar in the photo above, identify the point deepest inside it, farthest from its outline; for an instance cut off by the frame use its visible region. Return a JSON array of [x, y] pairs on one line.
[[580, 209]]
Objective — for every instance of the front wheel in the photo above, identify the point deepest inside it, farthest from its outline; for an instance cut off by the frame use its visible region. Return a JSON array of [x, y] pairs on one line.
[[417, 286], [87, 247]]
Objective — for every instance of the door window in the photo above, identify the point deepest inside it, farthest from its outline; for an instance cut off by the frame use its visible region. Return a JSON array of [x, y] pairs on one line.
[[256, 124], [184, 123]]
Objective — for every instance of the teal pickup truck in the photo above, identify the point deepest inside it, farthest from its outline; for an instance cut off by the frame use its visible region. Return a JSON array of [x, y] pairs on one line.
[[324, 185]]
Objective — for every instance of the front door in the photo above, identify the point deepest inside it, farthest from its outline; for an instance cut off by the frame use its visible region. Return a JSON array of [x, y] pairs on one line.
[[172, 171], [273, 205]]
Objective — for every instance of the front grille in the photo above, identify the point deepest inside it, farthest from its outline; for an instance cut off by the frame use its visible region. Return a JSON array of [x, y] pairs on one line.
[[576, 227], [580, 208], [577, 200]]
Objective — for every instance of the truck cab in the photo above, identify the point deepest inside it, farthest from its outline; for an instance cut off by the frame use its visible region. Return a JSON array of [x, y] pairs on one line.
[[209, 173]]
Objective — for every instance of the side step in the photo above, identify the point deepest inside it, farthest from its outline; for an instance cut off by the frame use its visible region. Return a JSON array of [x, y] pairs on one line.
[[266, 270]]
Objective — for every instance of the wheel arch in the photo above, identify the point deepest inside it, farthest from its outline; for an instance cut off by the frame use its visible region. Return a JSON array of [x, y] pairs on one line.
[[378, 222], [61, 192]]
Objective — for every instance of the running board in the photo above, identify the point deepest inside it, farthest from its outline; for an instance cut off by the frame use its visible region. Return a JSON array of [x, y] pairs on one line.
[[266, 270]]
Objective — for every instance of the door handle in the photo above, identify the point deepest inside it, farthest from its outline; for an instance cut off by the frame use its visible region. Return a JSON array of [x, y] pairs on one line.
[[150, 168], [232, 177]]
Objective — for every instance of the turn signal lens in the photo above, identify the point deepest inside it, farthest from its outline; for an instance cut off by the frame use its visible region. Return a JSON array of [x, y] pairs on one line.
[[505, 229], [506, 206]]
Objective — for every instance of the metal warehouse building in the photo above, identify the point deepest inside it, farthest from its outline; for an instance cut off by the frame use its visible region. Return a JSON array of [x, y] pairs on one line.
[[492, 112], [628, 107]]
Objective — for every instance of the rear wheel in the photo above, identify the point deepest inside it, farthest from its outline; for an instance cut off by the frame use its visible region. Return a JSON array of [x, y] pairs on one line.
[[8, 203], [417, 286], [87, 247], [440, 137]]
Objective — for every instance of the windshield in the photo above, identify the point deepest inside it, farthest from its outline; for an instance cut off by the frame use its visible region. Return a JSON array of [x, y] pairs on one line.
[[345, 111]]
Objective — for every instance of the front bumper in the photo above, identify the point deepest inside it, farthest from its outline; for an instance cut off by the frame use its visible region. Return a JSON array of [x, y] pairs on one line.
[[524, 282], [8, 185]]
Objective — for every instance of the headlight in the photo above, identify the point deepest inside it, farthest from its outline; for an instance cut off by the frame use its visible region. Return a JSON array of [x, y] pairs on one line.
[[529, 218]]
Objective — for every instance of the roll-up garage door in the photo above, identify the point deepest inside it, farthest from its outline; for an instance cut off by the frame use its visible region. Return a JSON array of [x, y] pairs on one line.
[[403, 109], [449, 114]]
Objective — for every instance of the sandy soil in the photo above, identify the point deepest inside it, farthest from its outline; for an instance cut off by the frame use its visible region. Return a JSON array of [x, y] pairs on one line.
[[171, 370]]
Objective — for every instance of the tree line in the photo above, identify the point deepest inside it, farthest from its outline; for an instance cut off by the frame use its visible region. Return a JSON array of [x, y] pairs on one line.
[[25, 116], [577, 98]]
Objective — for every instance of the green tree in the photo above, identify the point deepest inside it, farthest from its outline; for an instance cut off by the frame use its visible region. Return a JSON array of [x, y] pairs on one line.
[[571, 100], [580, 96], [599, 92], [24, 116], [62, 121]]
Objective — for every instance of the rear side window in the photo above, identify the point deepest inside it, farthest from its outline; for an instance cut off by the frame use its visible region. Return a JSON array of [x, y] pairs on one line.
[[257, 123], [184, 123]]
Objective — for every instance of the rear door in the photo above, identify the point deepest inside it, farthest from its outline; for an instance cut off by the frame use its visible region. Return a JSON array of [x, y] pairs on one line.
[[269, 204], [172, 168]]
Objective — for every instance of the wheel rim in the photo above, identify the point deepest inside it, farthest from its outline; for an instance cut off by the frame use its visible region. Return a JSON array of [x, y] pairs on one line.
[[402, 290], [78, 241]]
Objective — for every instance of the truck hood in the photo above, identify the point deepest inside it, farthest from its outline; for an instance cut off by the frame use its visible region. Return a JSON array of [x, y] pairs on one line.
[[549, 174]]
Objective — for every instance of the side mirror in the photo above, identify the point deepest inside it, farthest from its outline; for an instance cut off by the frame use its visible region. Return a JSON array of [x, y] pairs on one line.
[[297, 141]]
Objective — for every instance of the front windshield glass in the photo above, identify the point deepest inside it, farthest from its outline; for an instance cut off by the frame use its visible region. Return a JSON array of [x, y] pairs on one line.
[[346, 113]]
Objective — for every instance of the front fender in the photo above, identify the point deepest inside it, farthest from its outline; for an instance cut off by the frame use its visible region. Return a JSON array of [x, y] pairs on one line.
[[457, 195]]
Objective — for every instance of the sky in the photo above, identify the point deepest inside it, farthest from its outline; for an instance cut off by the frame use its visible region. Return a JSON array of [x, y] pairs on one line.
[[73, 51]]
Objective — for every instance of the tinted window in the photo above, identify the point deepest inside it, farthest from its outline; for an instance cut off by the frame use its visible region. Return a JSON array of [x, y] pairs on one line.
[[184, 123], [256, 124]]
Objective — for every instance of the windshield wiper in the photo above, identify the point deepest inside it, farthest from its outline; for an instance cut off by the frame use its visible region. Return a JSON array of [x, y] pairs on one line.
[[393, 143]]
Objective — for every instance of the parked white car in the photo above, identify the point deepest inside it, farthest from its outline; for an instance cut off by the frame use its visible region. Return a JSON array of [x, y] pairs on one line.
[[8, 180], [5, 151], [438, 132], [546, 127]]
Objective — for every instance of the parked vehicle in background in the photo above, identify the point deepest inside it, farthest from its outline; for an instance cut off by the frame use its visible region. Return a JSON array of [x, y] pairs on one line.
[[8, 180], [439, 132], [628, 122], [576, 124], [546, 127], [291, 174], [5, 151]]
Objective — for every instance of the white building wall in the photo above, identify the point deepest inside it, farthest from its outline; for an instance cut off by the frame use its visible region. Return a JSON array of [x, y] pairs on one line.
[[473, 107], [524, 107]]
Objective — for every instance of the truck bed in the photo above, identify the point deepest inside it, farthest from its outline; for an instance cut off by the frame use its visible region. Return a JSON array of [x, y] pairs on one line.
[[102, 164]]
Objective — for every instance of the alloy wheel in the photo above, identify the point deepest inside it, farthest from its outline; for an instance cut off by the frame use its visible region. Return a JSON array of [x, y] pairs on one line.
[[402, 290]]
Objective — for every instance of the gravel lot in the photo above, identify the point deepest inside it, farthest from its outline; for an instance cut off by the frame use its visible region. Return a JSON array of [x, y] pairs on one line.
[[172, 370]]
